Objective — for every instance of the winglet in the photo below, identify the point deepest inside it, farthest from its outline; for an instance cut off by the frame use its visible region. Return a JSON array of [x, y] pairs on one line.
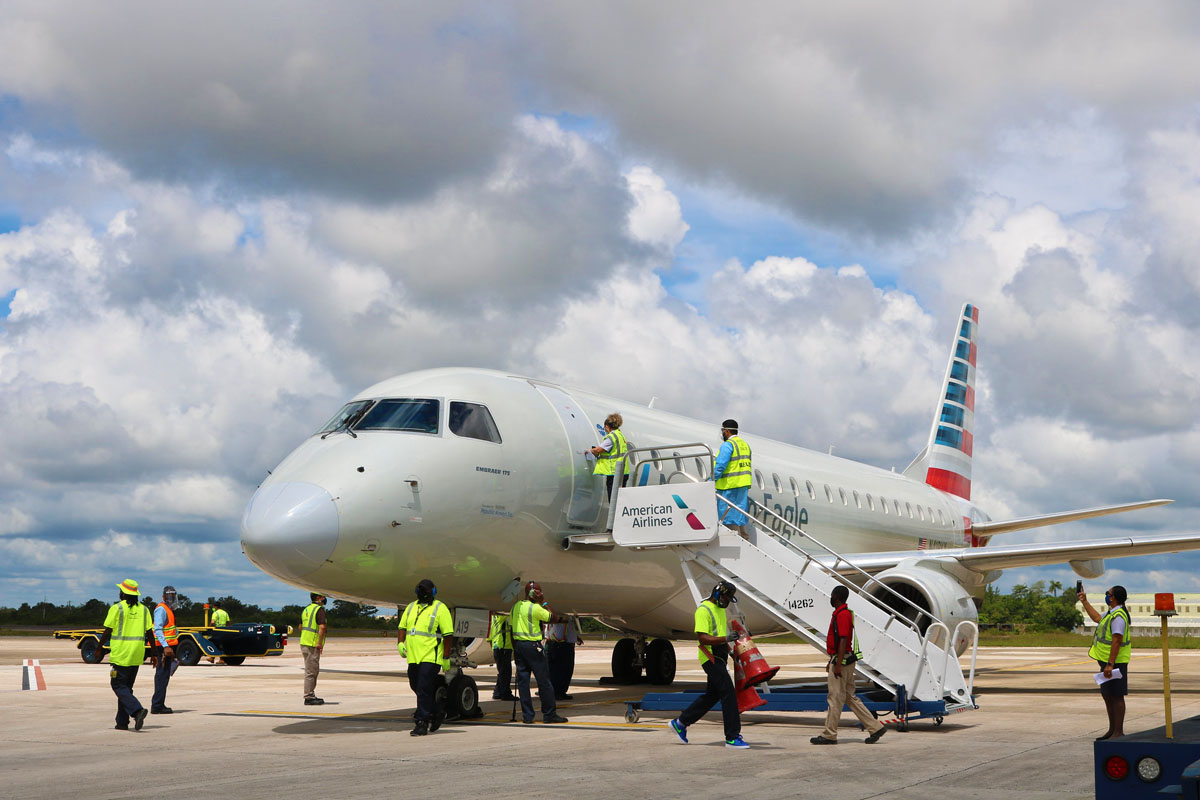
[[945, 463]]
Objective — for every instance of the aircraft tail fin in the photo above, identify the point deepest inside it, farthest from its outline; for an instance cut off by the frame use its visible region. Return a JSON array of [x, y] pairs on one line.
[[945, 463]]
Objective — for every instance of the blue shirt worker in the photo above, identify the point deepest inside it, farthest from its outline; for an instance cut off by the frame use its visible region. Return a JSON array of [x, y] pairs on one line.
[[500, 635], [714, 635], [526, 618], [732, 472], [166, 638], [125, 634], [425, 637], [612, 448], [561, 640], [1112, 649]]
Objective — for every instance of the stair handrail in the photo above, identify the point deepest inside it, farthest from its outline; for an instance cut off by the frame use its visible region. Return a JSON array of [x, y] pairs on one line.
[[974, 626], [619, 468], [925, 640], [840, 559]]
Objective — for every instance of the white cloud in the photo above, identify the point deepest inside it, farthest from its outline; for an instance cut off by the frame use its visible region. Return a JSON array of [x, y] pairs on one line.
[[656, 217]]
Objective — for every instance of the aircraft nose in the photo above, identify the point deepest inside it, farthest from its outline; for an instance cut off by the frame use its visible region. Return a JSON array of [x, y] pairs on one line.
[[289, 529]]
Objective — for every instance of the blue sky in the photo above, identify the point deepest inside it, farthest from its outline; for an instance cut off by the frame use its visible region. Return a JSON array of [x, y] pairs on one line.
[[797, 202]]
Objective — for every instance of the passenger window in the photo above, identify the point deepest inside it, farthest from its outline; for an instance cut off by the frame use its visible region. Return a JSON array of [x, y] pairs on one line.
[[348, 413], [920, 514], [778, 483], [419, 416], [870, 503], [473, 421], [857, 502], [795, 487], [909, 507], [702, 469], [896, 503], [842, 494], [828, 493], [812, 492], [883, 504], [930, 512], [758, 480]]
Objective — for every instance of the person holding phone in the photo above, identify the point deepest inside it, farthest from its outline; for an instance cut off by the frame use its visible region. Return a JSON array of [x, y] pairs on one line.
[[1111, 648]]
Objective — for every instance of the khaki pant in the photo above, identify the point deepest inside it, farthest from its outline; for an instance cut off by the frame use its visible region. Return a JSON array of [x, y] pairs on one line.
[[841, 692], [312, 666]]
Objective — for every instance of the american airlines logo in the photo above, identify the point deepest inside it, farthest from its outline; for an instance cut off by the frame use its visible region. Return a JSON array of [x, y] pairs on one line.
[[692, 519]]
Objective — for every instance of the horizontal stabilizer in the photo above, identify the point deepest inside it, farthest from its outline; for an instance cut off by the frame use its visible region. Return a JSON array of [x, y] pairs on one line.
[[1010, 525]]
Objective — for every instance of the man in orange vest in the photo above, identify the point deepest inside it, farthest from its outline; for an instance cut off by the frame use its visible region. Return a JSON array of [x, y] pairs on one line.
[[166, 637]]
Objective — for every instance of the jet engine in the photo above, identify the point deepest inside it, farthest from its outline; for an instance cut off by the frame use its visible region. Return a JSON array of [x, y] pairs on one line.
[[932, 591]]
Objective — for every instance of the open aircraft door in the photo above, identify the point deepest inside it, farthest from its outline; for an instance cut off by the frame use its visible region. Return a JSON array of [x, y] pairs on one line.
[[583, 509]]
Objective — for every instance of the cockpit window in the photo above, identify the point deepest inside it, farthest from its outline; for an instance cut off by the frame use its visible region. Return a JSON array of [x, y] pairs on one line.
[[420, 416], [348, 414], [473, 421]]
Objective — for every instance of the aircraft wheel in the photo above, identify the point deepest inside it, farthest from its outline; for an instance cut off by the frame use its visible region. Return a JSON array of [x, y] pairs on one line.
[[625, 668], [660, 662], [188, 653], [90, 652], [462, 698], [233, 661]]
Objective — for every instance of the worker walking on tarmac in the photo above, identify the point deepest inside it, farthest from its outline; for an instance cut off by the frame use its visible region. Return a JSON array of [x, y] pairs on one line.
[[527, 617], [732, 473], [841, 644], [713, 632], [312, 643], [166, 637], [500, 635], [220, 618], [612, 448], [425, 636], [125, 633]]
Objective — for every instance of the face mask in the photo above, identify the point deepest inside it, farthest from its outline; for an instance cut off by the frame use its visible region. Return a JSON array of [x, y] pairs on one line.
[[1108, 598]]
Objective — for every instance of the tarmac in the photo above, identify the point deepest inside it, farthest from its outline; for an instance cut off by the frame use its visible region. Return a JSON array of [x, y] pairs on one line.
[[244, 732]]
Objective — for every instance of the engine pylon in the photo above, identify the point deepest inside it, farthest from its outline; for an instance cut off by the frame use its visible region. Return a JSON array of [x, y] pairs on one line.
[[749, 660]]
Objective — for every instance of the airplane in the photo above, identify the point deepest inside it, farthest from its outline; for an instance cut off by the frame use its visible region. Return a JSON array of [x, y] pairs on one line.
[[479, 479]]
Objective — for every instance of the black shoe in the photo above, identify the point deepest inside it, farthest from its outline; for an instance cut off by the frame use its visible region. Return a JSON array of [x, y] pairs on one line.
[[554, 719], [163, 710], [512, 698], [876, 736], [139, 718], [565, 697], [124, 727], [527, 721], [421, 729], [313, 701], [822, 740], [439, 716]]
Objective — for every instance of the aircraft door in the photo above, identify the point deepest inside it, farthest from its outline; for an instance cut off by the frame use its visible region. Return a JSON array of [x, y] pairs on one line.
[[583, 508]]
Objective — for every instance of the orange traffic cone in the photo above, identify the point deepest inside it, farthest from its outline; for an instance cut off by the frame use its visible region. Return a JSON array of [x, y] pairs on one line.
[[747, 696], [749, 660]]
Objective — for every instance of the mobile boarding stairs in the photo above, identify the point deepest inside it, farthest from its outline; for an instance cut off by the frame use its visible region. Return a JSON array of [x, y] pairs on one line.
[[906, 651]]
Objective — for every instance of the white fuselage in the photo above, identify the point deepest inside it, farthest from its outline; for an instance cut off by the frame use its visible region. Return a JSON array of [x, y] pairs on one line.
[[366, 517]]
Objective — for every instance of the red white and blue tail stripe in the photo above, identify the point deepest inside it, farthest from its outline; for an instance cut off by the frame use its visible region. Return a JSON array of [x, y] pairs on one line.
[[951, 439]]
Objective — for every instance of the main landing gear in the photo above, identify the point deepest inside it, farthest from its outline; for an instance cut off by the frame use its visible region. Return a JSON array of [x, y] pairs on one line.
[[630, 656]]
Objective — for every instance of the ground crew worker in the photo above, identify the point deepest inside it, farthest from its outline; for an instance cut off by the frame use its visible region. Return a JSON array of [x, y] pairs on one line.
[[526, 618], [842, 646], [561, 640], [500, 636], [220, 618], [1112, 648], [166, 638], [125, 633], [714, 636], [732, 473], [425, 636], [612, 448], [312, 643]]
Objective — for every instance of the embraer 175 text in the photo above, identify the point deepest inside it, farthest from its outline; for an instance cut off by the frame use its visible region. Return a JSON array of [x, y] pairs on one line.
[[478, 480]]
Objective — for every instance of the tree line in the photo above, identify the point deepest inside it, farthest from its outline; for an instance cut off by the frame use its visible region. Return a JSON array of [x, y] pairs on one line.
[[1035, 608], [340, 614]]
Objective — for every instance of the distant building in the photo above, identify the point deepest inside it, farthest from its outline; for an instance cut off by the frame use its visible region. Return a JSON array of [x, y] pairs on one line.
[[1141, 610]]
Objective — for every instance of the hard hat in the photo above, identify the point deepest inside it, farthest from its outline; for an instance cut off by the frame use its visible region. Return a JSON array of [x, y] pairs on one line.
[[129, 586]]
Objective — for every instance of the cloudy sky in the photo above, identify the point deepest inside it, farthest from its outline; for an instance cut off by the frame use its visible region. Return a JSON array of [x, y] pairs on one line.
[[219, 221]]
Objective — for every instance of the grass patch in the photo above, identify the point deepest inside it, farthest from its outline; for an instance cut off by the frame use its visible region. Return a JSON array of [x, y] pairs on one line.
[[1065, 639]]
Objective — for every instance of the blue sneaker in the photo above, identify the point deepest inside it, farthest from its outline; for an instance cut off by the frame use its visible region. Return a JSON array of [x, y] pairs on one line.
[[679, 730], [737, 744]]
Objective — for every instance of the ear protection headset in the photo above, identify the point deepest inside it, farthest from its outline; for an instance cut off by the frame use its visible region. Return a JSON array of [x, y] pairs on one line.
[[418, 592], [723, 588]]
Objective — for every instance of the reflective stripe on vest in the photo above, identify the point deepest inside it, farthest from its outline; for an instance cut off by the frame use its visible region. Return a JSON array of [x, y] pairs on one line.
[[717, 630], [737, 471], [128, 649], [309, 632], [606, 463], [432, 622], [531, 631], [170, 632], [1101, 648]]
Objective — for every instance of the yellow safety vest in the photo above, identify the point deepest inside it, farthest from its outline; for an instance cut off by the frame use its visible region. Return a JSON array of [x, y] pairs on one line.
[[129, 623], [1102, 643], [737, 472], [606, 463], [716, 625], [527, 618], [501, 633], [421, 643], [310, 635], [220, 617]]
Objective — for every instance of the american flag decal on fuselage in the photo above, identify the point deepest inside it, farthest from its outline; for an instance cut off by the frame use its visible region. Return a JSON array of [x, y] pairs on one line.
[[949, 464]]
